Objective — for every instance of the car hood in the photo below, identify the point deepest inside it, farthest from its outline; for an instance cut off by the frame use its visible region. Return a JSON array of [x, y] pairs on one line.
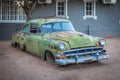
[[74, 39]]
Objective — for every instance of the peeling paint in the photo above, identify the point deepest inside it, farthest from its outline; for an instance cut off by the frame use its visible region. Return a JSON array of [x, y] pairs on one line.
[[39, 43]]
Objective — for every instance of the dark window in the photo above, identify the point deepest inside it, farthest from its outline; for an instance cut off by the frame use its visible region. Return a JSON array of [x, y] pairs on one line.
[[89, 8], [34, 28], [61, 8]]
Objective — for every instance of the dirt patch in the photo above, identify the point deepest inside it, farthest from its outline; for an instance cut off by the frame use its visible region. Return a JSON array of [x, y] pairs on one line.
[[18, 65]]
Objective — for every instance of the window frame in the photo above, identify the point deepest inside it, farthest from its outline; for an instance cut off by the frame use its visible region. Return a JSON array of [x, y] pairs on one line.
[[7, 7], [65, 13], [93, 9]]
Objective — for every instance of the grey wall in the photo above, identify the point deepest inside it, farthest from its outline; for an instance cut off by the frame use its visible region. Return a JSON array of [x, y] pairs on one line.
[[45, 10], [108, 19], [7, 29], [107, 22]]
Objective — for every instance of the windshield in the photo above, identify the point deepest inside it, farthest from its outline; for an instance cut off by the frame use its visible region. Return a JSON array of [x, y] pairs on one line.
[[57, 27]]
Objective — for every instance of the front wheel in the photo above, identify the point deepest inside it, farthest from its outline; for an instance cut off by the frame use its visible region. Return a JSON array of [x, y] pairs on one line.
[[49, 57]]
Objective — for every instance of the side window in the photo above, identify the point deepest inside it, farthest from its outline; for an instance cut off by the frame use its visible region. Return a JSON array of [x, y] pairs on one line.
[[34, 28], [26, 28]]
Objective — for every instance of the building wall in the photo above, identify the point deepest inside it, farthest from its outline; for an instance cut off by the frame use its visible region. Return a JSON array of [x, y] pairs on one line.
[[106, 24], [45, 10], [7, 29]]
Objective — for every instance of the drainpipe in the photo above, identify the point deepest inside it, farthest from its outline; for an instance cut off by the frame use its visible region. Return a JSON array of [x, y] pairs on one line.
[[88, 31]]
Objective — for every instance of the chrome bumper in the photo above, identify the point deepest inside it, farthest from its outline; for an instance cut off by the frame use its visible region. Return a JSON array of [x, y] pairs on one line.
[[81, 60], [79, 56]]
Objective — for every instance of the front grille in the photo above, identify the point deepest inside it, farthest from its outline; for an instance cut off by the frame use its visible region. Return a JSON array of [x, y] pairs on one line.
[[83, 52]]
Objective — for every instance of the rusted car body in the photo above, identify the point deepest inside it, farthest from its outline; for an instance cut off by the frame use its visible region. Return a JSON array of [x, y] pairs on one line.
[[56, 41]]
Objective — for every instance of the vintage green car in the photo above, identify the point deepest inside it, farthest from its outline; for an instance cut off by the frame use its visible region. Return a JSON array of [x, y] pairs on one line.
[[55, 40]]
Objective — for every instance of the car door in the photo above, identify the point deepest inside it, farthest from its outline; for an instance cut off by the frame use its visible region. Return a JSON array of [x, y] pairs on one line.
[[26, 35], [34, 38]]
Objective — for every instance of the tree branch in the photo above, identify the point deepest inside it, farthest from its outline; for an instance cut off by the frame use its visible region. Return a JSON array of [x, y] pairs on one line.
[[34, 4], [28, 7]]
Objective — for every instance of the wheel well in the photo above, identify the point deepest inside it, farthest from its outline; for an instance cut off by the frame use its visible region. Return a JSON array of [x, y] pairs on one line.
[[17, 44], [45, 54], [24, 47]]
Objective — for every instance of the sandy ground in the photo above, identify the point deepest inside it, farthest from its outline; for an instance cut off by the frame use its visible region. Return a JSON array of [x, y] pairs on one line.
[[18, 65]]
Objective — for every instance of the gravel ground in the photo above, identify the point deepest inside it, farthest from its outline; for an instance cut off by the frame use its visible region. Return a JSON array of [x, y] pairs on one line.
[[18, 65]]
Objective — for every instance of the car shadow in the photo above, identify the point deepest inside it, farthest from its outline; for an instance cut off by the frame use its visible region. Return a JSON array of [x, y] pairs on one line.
[[87, 65], [80, 65]]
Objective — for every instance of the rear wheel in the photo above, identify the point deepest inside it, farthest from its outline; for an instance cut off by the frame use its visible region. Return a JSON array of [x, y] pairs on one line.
[[49, 57], [23, 48], [16, 45]]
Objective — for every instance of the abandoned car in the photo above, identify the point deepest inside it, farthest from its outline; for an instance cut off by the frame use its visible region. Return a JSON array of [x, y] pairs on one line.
[[55, 40]]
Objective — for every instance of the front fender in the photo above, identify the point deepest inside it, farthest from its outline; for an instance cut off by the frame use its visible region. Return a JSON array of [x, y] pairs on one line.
[[52, 45]]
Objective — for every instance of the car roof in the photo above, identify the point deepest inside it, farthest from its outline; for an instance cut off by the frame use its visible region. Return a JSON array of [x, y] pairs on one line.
[[47, 20]]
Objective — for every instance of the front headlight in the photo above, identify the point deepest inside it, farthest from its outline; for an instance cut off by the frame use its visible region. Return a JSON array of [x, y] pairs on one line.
[[61, 46], [102, 42]]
